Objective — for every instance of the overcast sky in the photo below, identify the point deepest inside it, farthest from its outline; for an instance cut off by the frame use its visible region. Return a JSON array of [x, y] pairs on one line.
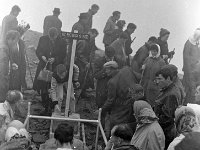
[[180, 17]]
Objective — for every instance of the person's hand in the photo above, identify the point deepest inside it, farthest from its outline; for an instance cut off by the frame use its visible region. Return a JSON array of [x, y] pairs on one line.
[[51, 60], [14, 66], [44, 58], [76, 84], [165, 56]]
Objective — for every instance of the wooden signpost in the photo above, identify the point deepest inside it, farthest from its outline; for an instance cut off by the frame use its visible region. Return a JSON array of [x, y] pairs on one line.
[[75, 36]]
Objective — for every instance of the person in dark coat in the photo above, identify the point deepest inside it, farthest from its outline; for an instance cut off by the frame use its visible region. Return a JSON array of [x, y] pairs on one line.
[[120, 26], [121, 138], [141, 54], [162, 42], [110, 27], [101, 77], [81, 25], [191, 63], [10, 22], [151, 66], [52, 21], [119, 46], [17, 77], [91, 12], [121, 95], [10, 43], [51, 50], [167, 102], [85, 51], [129, 31]]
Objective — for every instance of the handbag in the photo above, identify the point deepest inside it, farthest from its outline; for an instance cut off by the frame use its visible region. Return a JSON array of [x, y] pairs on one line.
[[45, 75]]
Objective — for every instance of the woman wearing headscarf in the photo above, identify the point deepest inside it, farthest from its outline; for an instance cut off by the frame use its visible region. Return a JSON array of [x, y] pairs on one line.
[[191, 63], [148, 135], [186, 122], [151, 65]]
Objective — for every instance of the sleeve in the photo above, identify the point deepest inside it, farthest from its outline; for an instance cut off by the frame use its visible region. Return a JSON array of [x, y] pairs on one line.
[[99, 71], [53, 89], [156, 141], [39, 50], [75, 73], [80, 47], [111, 98], [107, 29], [171, 103]]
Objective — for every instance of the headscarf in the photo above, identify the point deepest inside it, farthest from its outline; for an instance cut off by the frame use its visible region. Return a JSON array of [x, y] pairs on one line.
[[194, 39], [144, 112], [185, 119], [158, 48]]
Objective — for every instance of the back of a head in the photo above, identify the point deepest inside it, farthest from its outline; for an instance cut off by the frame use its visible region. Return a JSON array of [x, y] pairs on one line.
[[52, 32], [109, 51], [94, 31], [131, 26], [64, 133], [95, 6], [60, 69], [123, 35], [123, 131], [190, 142], [121, 23], [116, 13], [152, 39], [14, 96], [15, 8]]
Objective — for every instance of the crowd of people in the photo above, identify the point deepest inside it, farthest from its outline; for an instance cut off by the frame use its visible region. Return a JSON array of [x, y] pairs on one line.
[[143, 101]]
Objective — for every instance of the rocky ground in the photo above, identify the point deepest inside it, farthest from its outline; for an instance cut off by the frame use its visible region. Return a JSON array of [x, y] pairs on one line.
[[39, 128]]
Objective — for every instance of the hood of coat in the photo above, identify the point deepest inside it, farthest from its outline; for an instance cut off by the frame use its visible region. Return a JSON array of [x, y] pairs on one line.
[[158, 54], [194, 39]]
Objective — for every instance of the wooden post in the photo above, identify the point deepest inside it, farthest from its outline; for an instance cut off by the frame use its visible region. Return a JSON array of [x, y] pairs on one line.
[[69, 86]]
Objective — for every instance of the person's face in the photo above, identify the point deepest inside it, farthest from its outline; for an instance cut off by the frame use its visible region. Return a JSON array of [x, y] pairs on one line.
[[117, 17], [109, 58], [162, 82], [16, 13], [53, 37], [94, 11], [154, 52], [165, 37], [62, 76], [13, 42]]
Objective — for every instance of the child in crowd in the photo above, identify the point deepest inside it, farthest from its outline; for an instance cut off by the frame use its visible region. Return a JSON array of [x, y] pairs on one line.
[[58, 81]]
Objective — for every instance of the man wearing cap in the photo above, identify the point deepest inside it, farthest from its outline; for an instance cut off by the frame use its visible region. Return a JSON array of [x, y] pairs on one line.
[[10, 22], [91, 12], [109, 28], [81, 25], [52, 21], [162, 42], [121, 95]]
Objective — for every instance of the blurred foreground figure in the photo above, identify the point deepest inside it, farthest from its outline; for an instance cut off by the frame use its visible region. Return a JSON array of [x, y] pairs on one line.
[[186, 122], [52, 21], [191, 66], [10, 22], [190, 142], [120, 138], [149, 134]]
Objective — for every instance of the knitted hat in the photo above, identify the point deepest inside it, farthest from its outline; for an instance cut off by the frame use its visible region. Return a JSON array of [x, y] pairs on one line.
[[163, 32], [109, 51], [111, 64]]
